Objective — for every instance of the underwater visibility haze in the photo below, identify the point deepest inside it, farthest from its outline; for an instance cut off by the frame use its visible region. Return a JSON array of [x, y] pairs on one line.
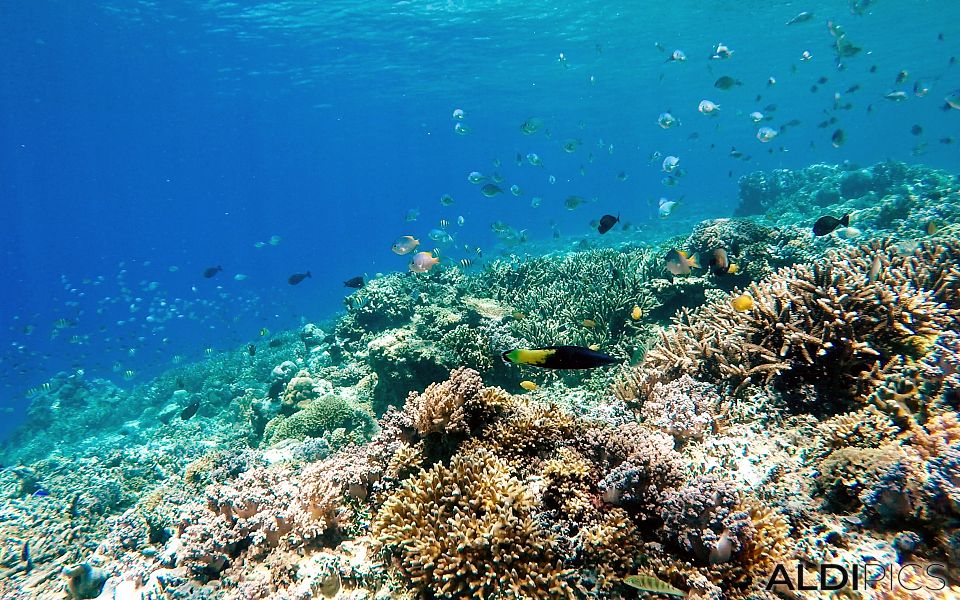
[[490, 299]]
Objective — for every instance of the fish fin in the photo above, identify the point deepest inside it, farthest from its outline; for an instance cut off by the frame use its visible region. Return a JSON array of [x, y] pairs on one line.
[[845, 220], [308, 274]]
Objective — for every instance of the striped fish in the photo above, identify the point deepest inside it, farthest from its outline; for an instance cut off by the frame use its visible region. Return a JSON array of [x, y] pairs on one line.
[[649, 583]]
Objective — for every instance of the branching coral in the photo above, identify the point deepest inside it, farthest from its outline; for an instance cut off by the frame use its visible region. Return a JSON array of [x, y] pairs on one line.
[[612, 547], [639, 483], [864, 428], [684, 408], [441, 408], [468, 530], [825, 323], [527, 433], [706, 520], [555, 295]]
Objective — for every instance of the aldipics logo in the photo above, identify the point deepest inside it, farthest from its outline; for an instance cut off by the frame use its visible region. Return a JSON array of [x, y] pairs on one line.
[[865, 576]]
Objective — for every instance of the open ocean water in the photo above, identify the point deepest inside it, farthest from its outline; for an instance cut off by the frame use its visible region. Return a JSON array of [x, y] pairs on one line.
[[147, 144]]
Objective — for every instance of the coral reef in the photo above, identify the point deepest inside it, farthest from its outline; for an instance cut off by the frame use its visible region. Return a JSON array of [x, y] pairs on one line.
[[383, 455]]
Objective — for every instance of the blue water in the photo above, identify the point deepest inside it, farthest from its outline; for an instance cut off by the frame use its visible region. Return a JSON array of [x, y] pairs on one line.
[[142, 142]]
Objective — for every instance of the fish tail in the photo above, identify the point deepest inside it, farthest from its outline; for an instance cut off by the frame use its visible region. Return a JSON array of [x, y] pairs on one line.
[[695, 262], [308, 274], [845, 220]]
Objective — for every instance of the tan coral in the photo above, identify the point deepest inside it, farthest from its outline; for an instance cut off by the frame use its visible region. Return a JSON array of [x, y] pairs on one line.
[[769, 546], [299, 391], [469, 531], [528, 430], [864, 428], [567, 485], [487, 308], [936, 435], [824, 322], [441, 407], [612, 547]]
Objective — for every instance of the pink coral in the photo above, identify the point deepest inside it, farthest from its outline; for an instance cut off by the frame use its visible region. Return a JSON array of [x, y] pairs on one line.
[[683, 408]]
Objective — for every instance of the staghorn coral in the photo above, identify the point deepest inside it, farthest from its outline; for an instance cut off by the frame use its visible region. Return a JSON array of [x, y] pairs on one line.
[[468, 530], [554, 295], [825, 323]]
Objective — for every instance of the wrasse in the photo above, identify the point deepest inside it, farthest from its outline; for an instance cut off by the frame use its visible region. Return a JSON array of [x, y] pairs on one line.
[[559, 357]]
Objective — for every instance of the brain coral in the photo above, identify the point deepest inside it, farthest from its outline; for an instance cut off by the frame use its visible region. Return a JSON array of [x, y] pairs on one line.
[[468, 531]]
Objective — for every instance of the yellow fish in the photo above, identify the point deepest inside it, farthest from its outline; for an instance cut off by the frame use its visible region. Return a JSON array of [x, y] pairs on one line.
[[528, 385], [649, 583], [636, 313], [264, 332], [742, 303], [589, 323], [594, 347]]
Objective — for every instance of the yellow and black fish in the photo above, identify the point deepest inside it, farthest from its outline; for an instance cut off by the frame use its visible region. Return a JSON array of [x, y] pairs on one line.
[[558, 357]]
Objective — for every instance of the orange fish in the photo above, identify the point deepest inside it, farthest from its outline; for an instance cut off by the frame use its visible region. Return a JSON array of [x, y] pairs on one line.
[[423, 262], [679, 263], [405, 245]]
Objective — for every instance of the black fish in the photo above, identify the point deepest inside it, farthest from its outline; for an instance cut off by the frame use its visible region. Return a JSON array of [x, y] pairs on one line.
[[719, 263], [558, 357], [211, 271], [298, 277], [726, 82], [275, 343], [190, 410], [252, 350], [276, 388], [607, 222], [353, 282], [916, 130], [828, 224], [838, 138]]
